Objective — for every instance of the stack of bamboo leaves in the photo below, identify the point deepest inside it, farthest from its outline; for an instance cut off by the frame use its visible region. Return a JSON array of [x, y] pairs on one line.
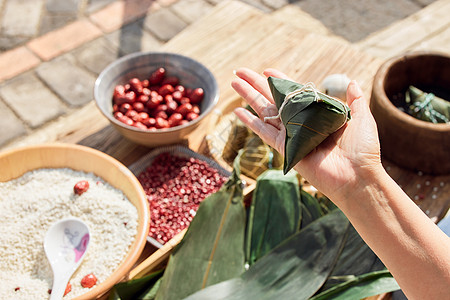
[[286, 245]]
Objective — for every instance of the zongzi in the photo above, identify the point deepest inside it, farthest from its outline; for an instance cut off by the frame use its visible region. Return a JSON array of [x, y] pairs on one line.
[[427, 106], [308, 116]]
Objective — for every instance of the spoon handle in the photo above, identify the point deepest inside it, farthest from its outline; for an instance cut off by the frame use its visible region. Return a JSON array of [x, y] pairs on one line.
[[59, 286]]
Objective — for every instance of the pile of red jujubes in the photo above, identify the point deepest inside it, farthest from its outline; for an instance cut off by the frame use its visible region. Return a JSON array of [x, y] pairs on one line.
[[157, 102], [175, 186]]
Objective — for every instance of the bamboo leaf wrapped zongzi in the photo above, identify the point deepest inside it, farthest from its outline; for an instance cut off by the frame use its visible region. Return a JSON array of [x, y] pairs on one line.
[[427, 106], [308, 116]]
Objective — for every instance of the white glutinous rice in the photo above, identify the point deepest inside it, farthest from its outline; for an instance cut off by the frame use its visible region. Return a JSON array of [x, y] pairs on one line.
[[29, 205]]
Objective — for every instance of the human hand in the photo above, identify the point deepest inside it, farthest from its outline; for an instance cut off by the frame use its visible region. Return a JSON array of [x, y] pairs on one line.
[[346, 159]]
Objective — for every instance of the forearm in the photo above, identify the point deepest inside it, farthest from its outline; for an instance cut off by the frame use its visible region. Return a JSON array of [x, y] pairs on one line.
[[411, 246]]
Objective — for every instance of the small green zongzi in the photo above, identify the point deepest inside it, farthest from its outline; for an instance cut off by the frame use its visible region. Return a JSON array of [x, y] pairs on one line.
[[427, 106], [308, 116]]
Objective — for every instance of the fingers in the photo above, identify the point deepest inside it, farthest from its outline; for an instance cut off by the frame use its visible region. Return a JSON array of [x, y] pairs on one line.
[[252, 91], [275, 73], [258, 82], [269, 134], [354, 92]]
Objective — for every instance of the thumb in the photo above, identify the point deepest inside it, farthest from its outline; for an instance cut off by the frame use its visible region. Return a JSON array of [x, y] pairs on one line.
[[354, 92]]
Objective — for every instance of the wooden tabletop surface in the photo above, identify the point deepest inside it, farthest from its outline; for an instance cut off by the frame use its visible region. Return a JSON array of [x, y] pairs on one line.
[[235, 35]]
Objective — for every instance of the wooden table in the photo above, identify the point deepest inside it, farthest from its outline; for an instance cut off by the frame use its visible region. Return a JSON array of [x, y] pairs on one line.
[[235, 35]]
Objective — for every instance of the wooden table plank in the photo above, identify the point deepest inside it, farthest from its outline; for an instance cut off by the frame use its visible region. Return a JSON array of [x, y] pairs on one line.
[[413, 32]]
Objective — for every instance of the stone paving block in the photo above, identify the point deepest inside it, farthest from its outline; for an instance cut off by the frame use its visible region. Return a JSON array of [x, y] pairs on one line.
[[64, 39], [191, 10], [95, 5], [258, 4], [424, 3], [275, 4], [63, 5], [51, 22], [133, 38], [71, 83], [96, 55], [11, 126], [21, 17], [119, 13], [31, 100], [165, 3], [16, 61], [164, 24], [354, 20], [10, 42]]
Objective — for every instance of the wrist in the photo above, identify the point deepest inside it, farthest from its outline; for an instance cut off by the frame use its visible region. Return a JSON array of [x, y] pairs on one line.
[[366, 181]]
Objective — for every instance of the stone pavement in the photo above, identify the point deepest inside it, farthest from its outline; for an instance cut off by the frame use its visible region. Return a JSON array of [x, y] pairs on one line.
[[51, 51]]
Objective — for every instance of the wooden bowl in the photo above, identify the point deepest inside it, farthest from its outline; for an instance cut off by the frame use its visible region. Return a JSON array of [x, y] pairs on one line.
[[14, 163], [408, 142]]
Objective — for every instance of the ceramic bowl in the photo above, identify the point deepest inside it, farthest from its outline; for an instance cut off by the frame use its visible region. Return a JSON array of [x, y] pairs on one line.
[[192, 74]]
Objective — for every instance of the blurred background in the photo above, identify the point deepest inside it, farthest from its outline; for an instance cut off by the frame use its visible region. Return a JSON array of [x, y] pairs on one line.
[[51, 51]]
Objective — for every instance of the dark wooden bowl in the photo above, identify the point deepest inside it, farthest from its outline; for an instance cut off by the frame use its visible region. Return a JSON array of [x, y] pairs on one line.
[[411, 143]]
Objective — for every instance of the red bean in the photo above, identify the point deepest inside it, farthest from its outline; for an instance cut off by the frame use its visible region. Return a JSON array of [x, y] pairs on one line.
[[138, 106], [184, 109], [136, 85], [139, 125], [157, 77], [118, 115], [153, 102], [166, 90], [172, 80], [191, 116], [177, 95], [197, 95], [161, 114], [161, 123], [171, 106], [143, 99], [81, 187], [160, 96], [125, 107], [175, 186], [88, 281], [131, 113], [175, 119], [149, 122], [68, 288], [185, 100], [181, 89], [196, 109]]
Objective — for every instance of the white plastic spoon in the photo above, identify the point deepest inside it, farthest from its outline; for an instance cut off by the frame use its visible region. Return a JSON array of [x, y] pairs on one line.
[[65, 244]]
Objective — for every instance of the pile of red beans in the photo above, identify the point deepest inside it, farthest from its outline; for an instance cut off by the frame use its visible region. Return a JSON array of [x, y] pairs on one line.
[[157, 102], [175, 186]]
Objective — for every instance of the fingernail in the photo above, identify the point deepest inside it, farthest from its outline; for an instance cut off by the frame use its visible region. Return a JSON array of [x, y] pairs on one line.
[[356, 88]]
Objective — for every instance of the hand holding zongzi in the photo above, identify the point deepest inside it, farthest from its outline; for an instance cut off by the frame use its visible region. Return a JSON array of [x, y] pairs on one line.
[[347, 168], [337, 158]]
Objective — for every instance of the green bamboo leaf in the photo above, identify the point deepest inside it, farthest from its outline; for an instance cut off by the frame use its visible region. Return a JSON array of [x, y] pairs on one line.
[[310, 207], [150, 293], [212, 249], [360, 287], [294, 270], [274, 213], [134, 288], [356, 259]]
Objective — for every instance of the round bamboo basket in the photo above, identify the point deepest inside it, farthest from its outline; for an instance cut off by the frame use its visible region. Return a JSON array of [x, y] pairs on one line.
[[408, 142], [16, 162]]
